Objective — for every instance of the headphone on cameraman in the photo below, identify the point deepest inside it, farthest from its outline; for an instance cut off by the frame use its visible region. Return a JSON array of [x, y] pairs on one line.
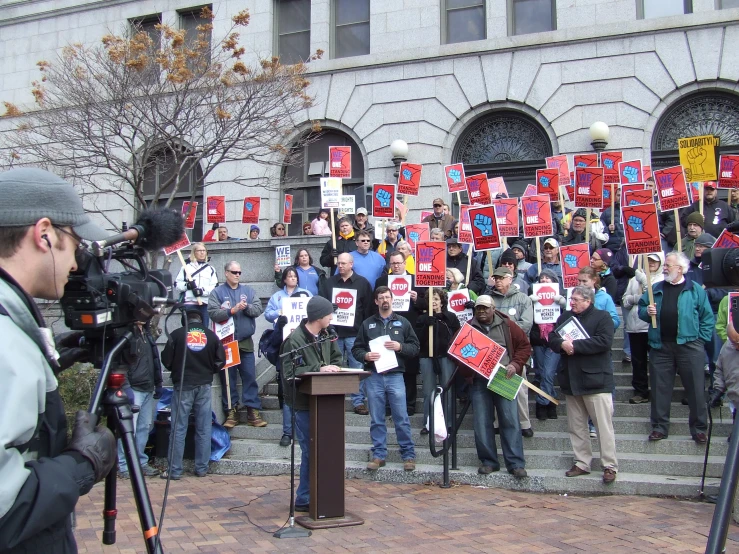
[[46, 238]]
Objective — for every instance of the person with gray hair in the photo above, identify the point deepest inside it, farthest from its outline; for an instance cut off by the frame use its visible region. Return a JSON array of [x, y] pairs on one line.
[[586, 378], [685, 323], [436, 234], [390, 242]]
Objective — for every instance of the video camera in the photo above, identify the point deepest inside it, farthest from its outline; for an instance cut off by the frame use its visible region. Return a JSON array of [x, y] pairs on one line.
[[721, 270]]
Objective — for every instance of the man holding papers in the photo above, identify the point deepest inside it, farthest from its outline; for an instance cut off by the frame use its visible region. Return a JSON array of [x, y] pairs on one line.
[[386, 341], [584, 338]]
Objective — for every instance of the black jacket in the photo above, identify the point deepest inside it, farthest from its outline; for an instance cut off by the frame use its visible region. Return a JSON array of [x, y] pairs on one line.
[[144, 368], [397, 328], [589, 369], [446, 325], [718, 214], [477, 281], [415, 308], [609, 283], [342, 245], [364, 300], [205, 355]]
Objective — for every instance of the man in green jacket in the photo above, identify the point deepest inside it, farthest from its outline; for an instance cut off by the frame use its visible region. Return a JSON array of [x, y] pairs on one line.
[[323, 356], [684, 324]]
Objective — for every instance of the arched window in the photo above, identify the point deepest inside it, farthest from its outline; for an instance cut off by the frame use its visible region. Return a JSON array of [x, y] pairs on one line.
[[504, 144], [704, 113], [309, 162], [163, 170]]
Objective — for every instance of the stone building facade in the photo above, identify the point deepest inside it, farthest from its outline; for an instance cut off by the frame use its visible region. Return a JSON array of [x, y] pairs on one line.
[[496, 84]]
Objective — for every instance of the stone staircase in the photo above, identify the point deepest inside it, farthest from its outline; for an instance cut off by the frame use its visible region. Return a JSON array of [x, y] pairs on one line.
[[671, 467]]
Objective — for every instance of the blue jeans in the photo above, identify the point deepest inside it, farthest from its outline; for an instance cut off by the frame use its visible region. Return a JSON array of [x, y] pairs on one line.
[[141, 425], [389, 388], [345, 347], [249, 388], [198, 399], [444, 369], [302, 430], [485, 404], [546, 361]]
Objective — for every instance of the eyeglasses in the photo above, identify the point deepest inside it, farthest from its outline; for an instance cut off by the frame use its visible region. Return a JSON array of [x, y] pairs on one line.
[[77, 239], [437, 205], [577, 299], [234, 272], [361, 215], [279, 228], [363, 240]]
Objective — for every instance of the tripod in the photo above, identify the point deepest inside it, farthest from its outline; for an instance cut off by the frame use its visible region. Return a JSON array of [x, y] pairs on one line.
[[119, 414]]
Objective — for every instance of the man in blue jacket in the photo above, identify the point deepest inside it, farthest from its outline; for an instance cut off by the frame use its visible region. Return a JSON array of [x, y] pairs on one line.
[[684, 324]]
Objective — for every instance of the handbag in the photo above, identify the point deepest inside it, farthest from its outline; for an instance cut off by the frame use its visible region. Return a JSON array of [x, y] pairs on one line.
[[440, 430]]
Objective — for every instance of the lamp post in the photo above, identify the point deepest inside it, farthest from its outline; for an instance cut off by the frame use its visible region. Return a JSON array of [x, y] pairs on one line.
[[599, 133], [399, 152]]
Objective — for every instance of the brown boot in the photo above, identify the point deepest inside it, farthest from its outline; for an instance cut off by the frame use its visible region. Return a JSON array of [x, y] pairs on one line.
[[232, 419], [254, 418]]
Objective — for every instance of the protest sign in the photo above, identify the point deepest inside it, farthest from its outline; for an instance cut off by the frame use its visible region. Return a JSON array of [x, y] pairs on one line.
[[641, 229], [646, 173], [537, 216], [476, 350], [585, 160], [729, 176], [330, 192], [630, 172], [529, 191], [506, 214], [546, 310], [465, 227], [574, 258], [698, 157], [457, 300], [425, 214], [184, 242], [346, 302], [340, 162], [484, 227], [477, 188], [636, 197], [282, 256], [251, 210], [629, 188], [454, 175], [295, 310], [609, 162], [500, 384], [589, 187], [287, 211], [568, 192], [224, 331], [400, 286], [415, 233], [383, 201], [189, 212], [233, 357], [496, 185], [216, 209], [409, 178], [346, 204], [547, 182], [672, 190], [430, 264], [726, 240], [562, 166], [695, 191]]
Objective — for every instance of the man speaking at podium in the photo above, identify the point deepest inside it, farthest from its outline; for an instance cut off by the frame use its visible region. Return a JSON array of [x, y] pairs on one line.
[[322, 354]]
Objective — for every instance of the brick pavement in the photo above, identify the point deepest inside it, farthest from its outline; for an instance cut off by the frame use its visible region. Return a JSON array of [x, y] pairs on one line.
[[403, 519]]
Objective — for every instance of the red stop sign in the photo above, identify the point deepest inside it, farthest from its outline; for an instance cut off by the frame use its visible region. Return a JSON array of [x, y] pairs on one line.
[[400, 287], [344, 300], [546, 295], [457, 300]]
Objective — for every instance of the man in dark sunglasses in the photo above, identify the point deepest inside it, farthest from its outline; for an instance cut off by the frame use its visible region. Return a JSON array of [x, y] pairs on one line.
[[440, 220], [367, 263]]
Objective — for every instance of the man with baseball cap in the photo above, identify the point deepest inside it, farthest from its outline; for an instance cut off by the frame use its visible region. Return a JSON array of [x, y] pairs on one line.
[[717, 213], [440, 220], [42, 224], [550, 260], [361, 222]]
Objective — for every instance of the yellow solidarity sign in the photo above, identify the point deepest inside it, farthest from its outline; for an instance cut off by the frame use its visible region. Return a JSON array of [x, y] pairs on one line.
[[698, 157]]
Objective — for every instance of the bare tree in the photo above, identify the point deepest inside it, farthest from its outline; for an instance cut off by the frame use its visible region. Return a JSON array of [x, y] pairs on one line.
[[110, 114]]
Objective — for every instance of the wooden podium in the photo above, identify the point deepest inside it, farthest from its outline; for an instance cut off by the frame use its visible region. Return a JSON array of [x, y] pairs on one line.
[[327, 451]]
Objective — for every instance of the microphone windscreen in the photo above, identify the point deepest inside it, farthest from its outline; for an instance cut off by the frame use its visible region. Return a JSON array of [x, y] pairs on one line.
[[162, 227]]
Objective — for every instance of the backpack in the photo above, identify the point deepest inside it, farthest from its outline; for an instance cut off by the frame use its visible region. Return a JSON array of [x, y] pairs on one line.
[[269, 345]]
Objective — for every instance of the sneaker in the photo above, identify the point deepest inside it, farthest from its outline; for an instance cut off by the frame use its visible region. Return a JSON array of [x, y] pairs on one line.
[[200, 473], [361, 410], [609, 476], [254, 419], [123, 475], [285, 440], [375, 464], [518, 473], [232, 419], [551, 411], [528, 433], [626, 359], [409, 465], [149, 471], [707, 369], [164, 474], [593, 432], [638, 399], [487, 470], [301, 507]]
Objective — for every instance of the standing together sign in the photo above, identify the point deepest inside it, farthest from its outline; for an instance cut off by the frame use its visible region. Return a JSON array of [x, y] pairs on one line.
[[537, 216], [430, 264]]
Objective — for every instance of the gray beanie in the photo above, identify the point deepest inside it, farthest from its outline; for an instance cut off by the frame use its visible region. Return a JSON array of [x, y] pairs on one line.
[[30, 194], [318, 307]]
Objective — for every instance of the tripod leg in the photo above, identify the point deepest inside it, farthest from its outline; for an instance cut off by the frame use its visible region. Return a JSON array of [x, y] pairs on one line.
[[110, 512]]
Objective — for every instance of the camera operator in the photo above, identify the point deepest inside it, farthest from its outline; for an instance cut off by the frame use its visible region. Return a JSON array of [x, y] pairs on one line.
[[42, 473]]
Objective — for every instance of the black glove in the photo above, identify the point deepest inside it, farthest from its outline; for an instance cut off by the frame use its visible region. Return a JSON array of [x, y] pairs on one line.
[[158, 391], [215, 226], [70, 351], [197, 292], [715, 398], [334, 252], [95, 444], [281, 321], [426, 320], [469, 305], [191, 285]]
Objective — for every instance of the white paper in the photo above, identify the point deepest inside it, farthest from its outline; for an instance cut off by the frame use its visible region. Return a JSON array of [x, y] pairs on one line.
[[387, 360]]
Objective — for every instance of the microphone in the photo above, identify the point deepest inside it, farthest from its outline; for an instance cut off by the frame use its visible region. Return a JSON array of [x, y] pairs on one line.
[[154, 229], [329, 333]]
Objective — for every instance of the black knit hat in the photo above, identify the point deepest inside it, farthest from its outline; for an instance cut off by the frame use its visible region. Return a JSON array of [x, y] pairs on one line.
[[318, 307]]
